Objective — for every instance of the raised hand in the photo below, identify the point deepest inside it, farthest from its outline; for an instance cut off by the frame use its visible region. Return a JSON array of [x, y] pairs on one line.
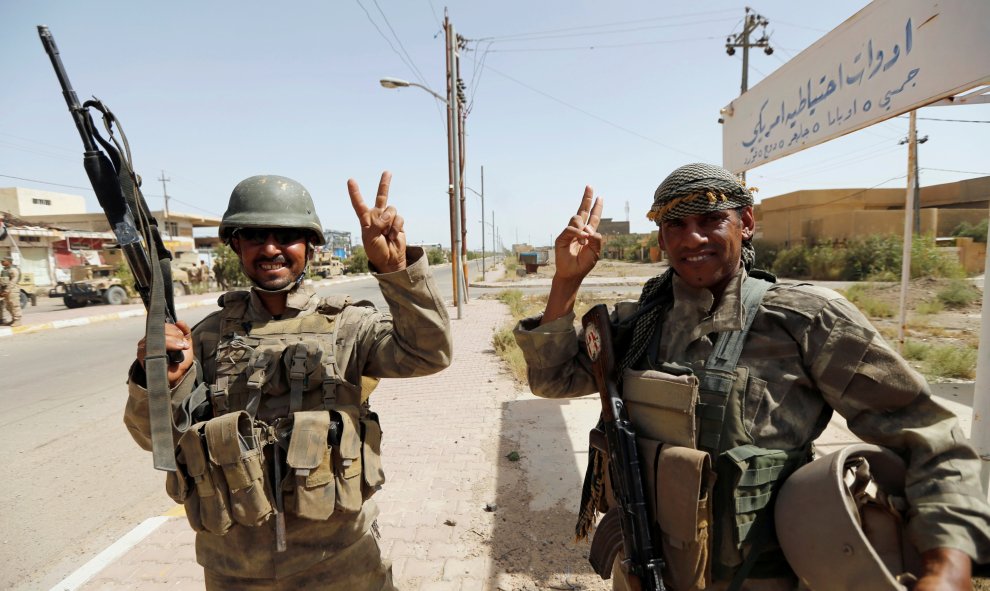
[[178, 337], [578, 247], [381, 227]]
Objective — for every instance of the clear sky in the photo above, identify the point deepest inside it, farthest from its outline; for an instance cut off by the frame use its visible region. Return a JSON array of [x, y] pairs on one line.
[[562, 93]]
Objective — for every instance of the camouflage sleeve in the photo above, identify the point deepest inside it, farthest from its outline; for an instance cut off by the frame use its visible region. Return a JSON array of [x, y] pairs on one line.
[[191, 389], [556, 364], [414, 338], [886, 402], [136, 416]]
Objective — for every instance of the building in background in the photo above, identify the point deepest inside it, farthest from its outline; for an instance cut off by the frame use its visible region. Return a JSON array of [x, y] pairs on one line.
[[51, 232], [835, 215]]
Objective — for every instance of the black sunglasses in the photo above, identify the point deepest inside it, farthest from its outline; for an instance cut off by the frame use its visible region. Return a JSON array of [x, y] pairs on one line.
[[259, 236]]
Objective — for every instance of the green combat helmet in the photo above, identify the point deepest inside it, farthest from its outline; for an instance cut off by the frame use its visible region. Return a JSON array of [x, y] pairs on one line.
[[271, 201]]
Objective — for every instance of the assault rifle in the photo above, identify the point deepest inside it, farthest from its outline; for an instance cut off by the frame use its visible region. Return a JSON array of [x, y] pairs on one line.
[[643, 562], [117, 188]]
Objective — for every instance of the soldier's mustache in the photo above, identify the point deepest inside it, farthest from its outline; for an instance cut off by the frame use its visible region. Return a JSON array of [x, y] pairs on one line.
[[280, 259]]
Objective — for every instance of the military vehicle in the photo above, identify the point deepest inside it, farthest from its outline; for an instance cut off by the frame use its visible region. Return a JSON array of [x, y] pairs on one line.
[[91, 284], [325, 264]]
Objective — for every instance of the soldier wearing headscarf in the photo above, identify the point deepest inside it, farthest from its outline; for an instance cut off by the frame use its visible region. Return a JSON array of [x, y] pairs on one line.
[[759, 367]]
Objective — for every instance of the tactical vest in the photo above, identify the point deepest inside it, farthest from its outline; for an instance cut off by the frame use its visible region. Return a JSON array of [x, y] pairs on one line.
[[731, 480], [262, 453]]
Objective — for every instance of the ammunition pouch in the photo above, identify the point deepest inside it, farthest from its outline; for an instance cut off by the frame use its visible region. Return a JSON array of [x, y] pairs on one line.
[[750, 476], [684, 505], [223, 476]]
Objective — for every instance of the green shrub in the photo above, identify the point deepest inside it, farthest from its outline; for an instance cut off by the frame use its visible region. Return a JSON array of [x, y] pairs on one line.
[[949, 361], [766, 254], [435, 256], [229, 267], [358, 261], [873, 257], [928, 261], [793, 262], [915, 350], [959, 293], [978, 232], [827, 262]]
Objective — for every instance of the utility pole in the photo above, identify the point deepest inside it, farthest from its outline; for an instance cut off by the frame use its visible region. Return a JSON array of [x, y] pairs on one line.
[[482, 223], [165, 194], [454, 162], [494, 241], [750, 22], [912, 140], [461, 98]]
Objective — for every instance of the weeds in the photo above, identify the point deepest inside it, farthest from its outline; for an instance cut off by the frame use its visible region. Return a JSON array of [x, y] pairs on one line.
[[950, 361], [958, 293], [870, 305], [929, 307]]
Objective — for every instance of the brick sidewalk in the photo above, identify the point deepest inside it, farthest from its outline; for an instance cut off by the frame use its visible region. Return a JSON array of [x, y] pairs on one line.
[[440, 455]]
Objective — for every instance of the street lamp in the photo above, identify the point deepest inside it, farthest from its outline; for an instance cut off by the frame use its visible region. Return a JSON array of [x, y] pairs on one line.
[[399, 83], [454, 166]]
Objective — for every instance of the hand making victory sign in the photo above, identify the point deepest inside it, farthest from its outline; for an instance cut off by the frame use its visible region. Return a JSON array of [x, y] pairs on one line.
[[576, 249], [381, 227]]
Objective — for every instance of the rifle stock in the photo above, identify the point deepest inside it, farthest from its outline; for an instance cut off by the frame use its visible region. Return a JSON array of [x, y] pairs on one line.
[[643, 562], [136, 231]]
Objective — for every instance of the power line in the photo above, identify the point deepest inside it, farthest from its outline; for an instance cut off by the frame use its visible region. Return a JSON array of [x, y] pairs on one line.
[[605, 25], [408, 64], [593, 116], [45, 182], [959, 171], [948, 120], [399, 41], [608, 46], [594, 33]]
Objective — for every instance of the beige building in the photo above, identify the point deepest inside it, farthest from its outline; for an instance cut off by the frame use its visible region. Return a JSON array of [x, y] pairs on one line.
[[51, 232], [29, 202], [811, 216]]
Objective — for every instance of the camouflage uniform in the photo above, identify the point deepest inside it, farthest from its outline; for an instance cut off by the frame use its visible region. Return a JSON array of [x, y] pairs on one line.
[[10, 293], [809, 352], [340, 552]]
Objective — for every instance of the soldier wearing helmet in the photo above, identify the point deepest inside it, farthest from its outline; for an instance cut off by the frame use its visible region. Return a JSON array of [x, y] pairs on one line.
[[754, 369], [278, 450]]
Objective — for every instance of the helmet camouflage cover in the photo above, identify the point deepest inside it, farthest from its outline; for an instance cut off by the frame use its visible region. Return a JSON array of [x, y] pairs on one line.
[[697, 188], [271, 201]]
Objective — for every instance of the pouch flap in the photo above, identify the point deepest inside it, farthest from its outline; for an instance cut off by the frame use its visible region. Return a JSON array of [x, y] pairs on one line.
[[308, 443], [192, 451], [659, 389], [683, 477], [350, 434], [227, 437], [662, 405]]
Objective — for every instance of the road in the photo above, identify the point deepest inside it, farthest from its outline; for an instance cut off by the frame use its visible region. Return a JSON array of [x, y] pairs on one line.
[[74, 479]]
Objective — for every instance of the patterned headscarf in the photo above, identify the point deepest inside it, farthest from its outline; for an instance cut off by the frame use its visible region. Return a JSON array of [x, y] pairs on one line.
[[695, 189]]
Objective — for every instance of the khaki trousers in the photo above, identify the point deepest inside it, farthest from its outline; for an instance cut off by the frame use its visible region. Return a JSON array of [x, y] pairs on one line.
[[621, 583], [359, 567]]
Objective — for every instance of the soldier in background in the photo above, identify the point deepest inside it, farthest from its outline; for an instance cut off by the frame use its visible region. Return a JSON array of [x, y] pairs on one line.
[[10, 293], [218, 275], [808, 353], [278, 449]]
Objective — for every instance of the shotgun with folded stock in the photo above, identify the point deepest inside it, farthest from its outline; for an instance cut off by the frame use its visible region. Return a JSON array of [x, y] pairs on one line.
[[117, 188], [643, 562]]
